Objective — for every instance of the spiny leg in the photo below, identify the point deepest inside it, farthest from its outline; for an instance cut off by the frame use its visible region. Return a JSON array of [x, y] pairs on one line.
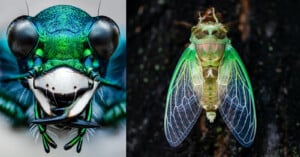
[[96, 76], [36, 68], [78, 139], [81, 132], [11, 109], [47, 140], [115, 113]]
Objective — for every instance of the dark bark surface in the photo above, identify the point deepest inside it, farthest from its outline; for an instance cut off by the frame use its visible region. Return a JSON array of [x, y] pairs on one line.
[[159, 31]]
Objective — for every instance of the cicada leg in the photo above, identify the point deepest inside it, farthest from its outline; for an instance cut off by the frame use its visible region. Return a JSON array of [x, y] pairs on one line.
[[81, 132], [116, 112], [47, 140]]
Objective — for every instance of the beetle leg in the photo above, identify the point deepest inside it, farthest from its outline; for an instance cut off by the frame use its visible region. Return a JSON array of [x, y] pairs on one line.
[[81, 132], [26, 75], [115, 113], [78, 139], [96, 76], [108, 83], [47, 140], [31, 73], [12, 109]]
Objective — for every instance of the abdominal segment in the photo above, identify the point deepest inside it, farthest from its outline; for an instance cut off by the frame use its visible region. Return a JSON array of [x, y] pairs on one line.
[[210, 56], [210, 101]]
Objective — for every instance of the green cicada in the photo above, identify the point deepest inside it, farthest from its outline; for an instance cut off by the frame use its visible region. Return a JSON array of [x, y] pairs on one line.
[[63, 69], [210, 75]]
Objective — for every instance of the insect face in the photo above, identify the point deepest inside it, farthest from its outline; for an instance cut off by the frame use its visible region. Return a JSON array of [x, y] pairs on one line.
[[65, 51]]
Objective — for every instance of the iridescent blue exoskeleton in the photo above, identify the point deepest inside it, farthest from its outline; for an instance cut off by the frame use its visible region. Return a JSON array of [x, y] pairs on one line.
[[63, 69]]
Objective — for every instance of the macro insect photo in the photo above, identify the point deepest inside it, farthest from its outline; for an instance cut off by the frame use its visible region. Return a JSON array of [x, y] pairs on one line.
[[210, 76], [222, 82], [63, 78]]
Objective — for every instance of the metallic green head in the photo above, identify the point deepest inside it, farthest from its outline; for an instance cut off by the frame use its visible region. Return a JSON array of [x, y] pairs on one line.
[[62, 35], [61, 52]]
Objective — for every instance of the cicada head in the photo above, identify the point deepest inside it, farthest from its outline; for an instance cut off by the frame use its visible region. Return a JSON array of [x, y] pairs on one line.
[[210, 37], [209, 27]]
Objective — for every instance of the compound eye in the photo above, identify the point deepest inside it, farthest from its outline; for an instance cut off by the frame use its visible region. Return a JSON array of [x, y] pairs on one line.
[[22, 36], [104, 36], [201, 34], [220, 34]]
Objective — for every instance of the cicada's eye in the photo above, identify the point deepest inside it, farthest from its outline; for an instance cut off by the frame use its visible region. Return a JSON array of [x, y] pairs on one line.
[[104, 36], [220, 35], [201, 34], [22, 36]]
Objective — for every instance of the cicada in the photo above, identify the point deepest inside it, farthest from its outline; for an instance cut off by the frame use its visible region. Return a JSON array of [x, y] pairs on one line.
[[210, 75], [57, 72]]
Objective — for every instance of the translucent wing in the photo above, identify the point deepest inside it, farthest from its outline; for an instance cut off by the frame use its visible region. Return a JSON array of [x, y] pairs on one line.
[[237, 108], [183, 108]]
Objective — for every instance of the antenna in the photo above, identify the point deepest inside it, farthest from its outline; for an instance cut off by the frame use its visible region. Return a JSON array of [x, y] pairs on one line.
[[26, 2], [99, 7], [214, 15]]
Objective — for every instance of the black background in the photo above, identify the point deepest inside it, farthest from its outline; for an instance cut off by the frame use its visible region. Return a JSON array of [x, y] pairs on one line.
[[271, 54]]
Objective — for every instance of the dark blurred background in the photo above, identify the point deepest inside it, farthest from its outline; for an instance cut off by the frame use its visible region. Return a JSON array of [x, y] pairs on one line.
[[266, 35]]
